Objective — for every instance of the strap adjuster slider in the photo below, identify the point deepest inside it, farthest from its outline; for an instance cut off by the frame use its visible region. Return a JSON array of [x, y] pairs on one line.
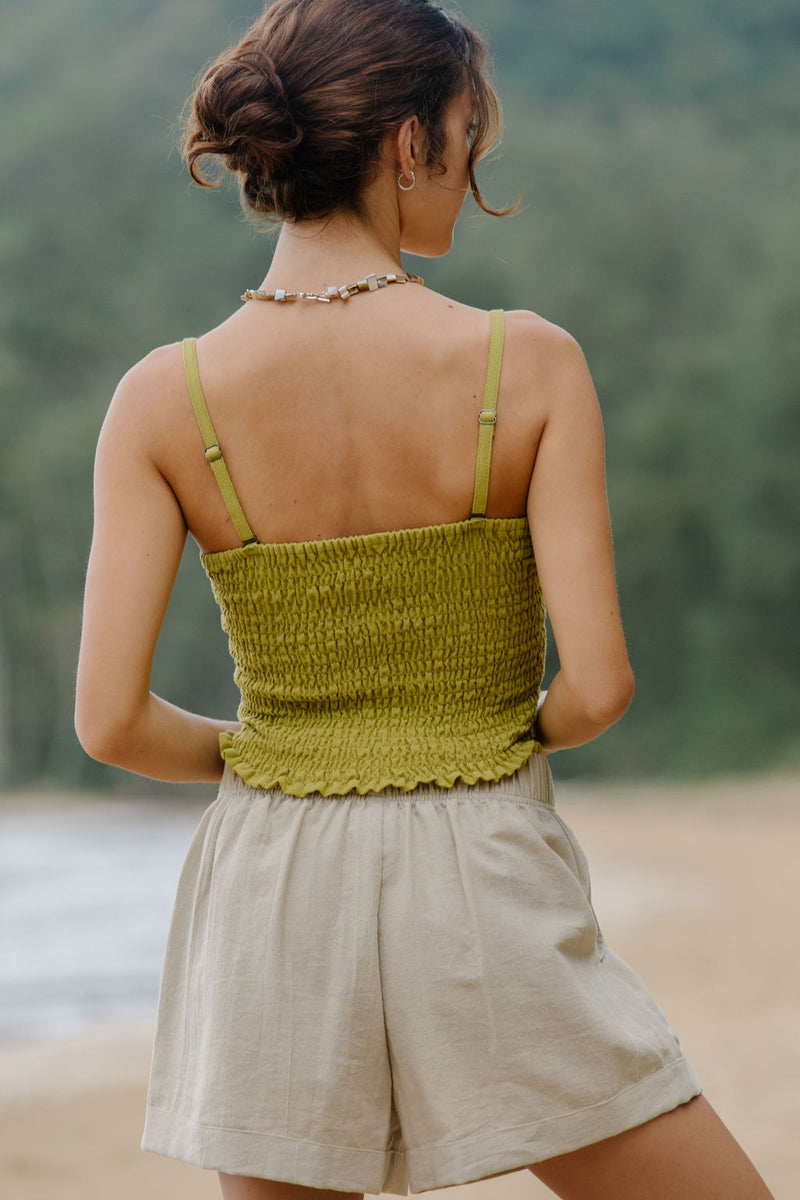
[[212, 453], [491, 420]]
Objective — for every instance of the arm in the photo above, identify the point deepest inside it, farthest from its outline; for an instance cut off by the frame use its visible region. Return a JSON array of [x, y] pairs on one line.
[[139, 534], [571, 534]]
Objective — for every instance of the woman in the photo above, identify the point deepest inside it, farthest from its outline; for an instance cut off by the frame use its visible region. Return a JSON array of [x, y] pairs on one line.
[[384, 970]]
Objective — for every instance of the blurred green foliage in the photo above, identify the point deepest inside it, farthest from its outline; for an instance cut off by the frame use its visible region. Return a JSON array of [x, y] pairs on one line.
[[654, 145]]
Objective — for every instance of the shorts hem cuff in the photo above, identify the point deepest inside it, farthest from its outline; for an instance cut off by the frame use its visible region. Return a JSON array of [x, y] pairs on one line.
[[514, 1148], [273, 1156]]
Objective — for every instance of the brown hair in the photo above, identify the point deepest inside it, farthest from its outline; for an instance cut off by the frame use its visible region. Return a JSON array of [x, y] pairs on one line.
[[299, 108]]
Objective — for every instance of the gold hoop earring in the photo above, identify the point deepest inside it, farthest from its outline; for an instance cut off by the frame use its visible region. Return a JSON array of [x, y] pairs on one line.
[[400, 185]]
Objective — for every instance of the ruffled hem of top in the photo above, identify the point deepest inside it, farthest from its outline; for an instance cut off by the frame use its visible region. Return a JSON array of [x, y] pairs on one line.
[[505, 763]]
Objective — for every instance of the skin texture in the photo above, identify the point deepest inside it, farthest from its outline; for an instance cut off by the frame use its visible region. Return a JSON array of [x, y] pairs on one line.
[[375, 430]]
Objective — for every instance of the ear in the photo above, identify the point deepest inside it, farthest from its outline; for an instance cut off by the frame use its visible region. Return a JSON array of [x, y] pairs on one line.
[[408, 145]]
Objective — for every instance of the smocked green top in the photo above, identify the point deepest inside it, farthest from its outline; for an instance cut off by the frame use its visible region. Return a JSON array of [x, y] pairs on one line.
[[381, 659]]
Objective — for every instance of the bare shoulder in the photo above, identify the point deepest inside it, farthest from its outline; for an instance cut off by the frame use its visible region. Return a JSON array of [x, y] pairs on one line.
[[550, 357], [153, 379], [534, 335], [527, 333], [149, 395]]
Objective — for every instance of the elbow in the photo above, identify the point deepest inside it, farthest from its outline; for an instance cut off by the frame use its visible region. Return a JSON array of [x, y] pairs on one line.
[[100, 743], [609, 702], [103, 737], [109, 719]]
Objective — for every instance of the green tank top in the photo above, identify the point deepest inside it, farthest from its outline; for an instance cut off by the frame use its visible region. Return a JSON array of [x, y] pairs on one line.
[[381, 659]]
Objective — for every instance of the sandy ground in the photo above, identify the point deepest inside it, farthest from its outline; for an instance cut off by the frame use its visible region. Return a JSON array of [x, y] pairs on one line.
[[694, 886]]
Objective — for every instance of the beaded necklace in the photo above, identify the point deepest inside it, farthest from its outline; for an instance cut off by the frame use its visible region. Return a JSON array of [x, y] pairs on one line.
[[371, 283]]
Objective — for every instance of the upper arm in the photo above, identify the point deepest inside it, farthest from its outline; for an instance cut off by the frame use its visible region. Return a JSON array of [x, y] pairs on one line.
[[138, 538], [570, 526]]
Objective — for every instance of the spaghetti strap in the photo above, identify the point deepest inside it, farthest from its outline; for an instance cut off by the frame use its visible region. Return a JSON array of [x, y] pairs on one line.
[[487, 417], [213, 452]]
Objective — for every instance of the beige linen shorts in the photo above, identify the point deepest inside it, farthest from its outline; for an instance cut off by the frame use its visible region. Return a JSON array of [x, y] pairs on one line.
[[396, 992]]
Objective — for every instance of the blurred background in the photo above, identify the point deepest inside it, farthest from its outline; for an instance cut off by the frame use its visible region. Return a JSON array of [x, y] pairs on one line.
[[655, 147]]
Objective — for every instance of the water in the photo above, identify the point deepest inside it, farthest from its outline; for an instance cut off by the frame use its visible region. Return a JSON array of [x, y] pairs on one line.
[[86, 895]]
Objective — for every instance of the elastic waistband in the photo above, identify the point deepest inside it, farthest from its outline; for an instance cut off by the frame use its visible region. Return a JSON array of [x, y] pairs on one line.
[[532, 781]]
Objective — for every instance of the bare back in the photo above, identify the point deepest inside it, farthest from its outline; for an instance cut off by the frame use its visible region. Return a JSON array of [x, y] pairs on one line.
[[351, 417]]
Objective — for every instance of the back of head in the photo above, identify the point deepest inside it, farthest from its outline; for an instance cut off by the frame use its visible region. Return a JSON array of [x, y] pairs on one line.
[[299, 109]]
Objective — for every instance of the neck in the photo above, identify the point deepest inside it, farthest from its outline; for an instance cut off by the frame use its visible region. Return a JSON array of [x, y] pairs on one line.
[[311, 255]]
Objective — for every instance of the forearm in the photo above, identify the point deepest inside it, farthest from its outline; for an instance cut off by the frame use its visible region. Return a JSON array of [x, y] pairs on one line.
[[568, 718], [163, 741]]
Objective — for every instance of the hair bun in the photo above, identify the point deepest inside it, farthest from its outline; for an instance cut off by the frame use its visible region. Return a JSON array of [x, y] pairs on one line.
[[242, 112], [301, 109]]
